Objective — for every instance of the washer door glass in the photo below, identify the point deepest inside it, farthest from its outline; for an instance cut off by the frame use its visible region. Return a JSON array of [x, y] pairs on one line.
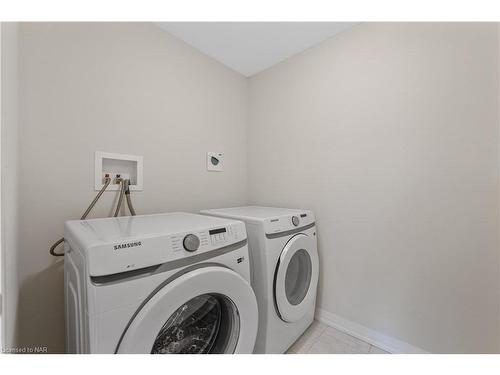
[[209, 309], [298, 277], [208, 323]]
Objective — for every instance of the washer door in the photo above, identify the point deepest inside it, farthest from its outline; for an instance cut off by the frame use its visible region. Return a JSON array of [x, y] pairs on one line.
[[207, 310], [296, 277]]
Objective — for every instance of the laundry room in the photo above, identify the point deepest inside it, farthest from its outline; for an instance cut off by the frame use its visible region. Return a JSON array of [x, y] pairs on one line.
[[250, 187]]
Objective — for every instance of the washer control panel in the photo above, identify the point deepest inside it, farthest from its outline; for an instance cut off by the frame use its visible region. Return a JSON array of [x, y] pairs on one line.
[[116, 245], [191, 242], [214, 238], [218, 236], [223, 236]]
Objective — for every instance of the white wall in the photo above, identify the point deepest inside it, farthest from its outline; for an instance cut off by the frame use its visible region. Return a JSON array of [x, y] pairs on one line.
[[9, 170], [123, 87], [389, 132]]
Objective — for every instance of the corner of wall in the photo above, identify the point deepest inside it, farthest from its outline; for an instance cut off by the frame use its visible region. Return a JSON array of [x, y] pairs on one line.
[[9, 179], [498, 181]]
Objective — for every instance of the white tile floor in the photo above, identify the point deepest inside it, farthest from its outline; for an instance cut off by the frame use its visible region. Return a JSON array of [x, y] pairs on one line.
[[322, 339]]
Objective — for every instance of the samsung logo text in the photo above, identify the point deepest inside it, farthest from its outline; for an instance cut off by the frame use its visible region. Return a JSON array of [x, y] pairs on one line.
[[127, 245]]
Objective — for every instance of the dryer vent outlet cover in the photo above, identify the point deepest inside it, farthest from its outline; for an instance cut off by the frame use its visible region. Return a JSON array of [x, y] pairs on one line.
[[214, 162]]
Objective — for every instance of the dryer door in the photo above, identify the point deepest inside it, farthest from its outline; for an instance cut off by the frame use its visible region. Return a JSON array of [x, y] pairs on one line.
[[296, 277], [207, 310]]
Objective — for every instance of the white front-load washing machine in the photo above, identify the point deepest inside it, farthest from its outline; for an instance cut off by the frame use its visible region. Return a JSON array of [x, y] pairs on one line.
[[284, 267], [166, 283]]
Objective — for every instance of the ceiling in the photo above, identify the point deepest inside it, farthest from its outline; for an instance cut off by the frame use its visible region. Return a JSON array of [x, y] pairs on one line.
[[251, 47]]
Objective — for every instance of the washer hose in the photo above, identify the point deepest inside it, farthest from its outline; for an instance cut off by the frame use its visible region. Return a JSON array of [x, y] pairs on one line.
[[52, 249], [128, 197], [120, 198]]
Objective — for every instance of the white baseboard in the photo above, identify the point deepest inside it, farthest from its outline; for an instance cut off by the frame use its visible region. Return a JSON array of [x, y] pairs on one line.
[[375, 338]]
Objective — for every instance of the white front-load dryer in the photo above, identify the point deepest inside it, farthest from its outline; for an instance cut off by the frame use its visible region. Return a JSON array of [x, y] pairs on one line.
[[167, 283], [285, 269]]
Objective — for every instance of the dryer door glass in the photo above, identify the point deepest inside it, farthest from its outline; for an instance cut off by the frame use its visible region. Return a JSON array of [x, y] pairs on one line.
[[208, 323], [298, 277]]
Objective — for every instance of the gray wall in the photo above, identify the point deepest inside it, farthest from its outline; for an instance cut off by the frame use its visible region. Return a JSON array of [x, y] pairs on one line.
[[9, 180], [128, 88], [389, 132]]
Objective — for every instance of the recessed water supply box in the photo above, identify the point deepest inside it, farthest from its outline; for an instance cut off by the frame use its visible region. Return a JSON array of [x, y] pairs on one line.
[[118, 166]]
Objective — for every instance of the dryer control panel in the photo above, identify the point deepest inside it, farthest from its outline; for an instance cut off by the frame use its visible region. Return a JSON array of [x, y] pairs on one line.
[[295, 220]]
